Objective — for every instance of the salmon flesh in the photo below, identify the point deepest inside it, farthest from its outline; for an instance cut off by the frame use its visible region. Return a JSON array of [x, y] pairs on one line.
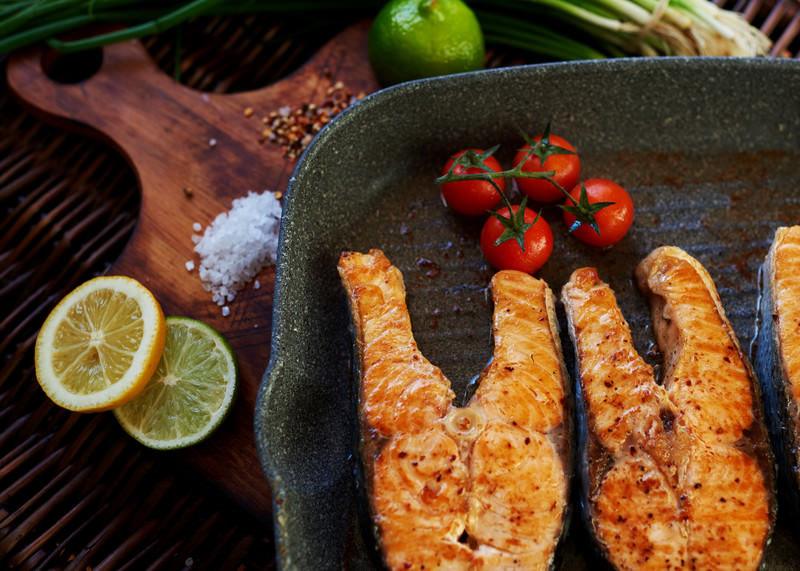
[[675, 474], [480, 487], [777, 359]]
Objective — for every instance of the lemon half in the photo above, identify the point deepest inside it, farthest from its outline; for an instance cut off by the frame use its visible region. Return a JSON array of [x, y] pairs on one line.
[[100, 345]]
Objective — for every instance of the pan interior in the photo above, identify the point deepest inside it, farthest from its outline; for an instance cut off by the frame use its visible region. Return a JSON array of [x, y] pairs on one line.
[[711, 169]]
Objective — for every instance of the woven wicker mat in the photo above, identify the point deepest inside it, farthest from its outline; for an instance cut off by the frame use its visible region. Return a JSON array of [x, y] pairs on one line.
[[75, 492]]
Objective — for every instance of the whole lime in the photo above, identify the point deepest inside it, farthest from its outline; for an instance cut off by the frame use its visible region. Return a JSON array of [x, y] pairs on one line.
[[410, 39]]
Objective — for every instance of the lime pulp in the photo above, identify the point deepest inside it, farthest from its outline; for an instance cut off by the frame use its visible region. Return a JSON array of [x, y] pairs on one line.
[[190, 393]]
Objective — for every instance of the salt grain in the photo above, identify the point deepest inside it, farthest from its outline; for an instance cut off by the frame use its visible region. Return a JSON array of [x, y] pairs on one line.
[[257, 285], [212, 142], [237, 245], [226, 311], [189, 266], [196, 227]]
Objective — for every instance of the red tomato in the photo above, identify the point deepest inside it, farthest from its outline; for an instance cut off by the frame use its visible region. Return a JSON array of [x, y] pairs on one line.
[[472, 197], [567, 171], [614, 221], [538, 241]]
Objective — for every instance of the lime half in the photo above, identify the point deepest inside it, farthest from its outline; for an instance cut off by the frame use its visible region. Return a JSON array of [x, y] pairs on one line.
[[190, 392]]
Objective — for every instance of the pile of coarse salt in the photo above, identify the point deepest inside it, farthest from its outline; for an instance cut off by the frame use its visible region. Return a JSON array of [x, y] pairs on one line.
[[237, 245]]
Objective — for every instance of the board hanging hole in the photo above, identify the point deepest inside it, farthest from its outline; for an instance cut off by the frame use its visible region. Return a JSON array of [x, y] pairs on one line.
[[71, 68]]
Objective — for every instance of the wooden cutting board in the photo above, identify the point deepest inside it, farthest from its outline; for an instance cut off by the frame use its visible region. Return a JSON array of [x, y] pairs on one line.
[[164, 130]]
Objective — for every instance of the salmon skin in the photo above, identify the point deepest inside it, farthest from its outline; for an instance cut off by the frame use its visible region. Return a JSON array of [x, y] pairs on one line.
[[480, 487], [679, 474], [777, 355]]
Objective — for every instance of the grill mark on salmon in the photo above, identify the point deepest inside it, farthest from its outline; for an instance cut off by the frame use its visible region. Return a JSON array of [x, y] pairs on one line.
[[674, 475], [480, 487], [777, 354]]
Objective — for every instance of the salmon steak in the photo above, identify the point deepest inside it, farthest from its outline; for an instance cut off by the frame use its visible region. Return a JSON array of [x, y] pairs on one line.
[[777, 355], [480, 487], [674, 474]]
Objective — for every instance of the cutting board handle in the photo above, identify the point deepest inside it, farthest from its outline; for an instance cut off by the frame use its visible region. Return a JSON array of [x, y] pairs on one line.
[[152, 119], [114, 101]]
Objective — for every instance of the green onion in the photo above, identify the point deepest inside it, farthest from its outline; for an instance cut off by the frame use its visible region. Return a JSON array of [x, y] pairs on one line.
[[160, 24], [557, 29], [504, 30]]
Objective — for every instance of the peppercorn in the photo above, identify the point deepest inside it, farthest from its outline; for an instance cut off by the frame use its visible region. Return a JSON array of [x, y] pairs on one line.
[[294, 129]]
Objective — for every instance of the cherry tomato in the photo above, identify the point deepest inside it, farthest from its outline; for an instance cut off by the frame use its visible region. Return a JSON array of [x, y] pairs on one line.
[[472, 197], [538, 241], [614, 221], [567, 171]]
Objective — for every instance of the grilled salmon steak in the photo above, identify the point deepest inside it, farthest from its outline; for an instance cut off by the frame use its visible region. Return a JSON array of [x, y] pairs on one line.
[[777, 354], [678, 474], [480, 487]]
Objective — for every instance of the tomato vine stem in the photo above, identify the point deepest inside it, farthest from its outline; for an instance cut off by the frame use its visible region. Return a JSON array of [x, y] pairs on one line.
[[515, 224]]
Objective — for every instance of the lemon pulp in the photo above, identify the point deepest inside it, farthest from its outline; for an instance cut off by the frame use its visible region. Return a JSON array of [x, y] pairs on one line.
[[100, 344]]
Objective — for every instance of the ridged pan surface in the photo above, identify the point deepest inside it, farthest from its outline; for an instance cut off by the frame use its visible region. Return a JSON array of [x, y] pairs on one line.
[[708, 148]]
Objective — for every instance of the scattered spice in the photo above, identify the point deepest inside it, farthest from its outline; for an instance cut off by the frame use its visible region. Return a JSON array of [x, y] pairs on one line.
[[435, 314], [248, 112], [294, 129], [188, 192], [429, 268]]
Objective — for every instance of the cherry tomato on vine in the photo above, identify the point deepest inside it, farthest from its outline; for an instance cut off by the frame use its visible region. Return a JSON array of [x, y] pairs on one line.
[[472, 197], [538, 240], [613, 220], [567, 169]]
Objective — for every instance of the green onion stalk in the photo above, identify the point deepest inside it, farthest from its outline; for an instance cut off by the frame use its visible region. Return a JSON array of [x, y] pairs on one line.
[[626, 27], [552, 29]]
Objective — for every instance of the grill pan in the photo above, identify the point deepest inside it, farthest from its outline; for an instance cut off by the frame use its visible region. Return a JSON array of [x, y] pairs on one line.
[[707, 147]]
